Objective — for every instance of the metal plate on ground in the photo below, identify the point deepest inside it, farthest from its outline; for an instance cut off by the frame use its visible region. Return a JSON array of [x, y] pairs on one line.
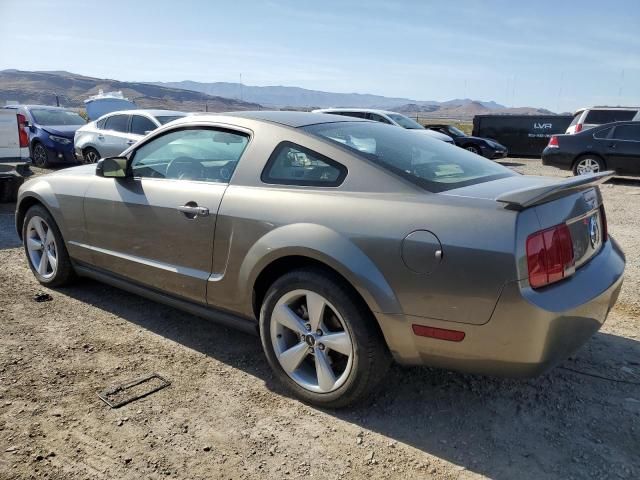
[[118, 395]]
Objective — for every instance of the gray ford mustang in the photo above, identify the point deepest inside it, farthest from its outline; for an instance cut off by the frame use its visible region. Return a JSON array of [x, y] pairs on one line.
[[343, 243]]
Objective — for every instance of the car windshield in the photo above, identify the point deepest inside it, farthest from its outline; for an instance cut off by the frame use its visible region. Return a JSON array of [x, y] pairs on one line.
[[46, 116], [456, 131], [405, 122], [168, 118], [427, 162]]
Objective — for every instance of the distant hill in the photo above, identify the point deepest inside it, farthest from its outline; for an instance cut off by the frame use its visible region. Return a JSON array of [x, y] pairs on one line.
[[465, 110], [296, 97], [72, 89]]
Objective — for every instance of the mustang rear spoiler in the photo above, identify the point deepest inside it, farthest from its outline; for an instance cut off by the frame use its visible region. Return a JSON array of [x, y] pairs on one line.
[[528, 197]]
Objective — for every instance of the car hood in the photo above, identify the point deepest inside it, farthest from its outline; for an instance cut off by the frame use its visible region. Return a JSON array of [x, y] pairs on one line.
[[480, 139], [66, 131]]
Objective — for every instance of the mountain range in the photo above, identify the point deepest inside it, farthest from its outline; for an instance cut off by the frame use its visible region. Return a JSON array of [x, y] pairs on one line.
[[72, 89]]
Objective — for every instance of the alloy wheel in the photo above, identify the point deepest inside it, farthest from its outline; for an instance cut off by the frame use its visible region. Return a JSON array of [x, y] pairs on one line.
[[91, 156], [311, 341], [472, 150], [42, 248], [39, 155], [587, 165]]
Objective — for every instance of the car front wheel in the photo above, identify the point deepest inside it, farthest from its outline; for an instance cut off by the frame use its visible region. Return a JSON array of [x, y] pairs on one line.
[[90, 155], [40, 156], [473, 149], [323, 344], [45, 249]]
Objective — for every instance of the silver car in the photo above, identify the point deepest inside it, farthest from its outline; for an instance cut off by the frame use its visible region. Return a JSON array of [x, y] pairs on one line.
[[113, 133], [389, 118], [342, 243]]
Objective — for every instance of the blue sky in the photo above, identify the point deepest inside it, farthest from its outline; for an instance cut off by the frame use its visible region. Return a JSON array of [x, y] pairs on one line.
[[553, 54]]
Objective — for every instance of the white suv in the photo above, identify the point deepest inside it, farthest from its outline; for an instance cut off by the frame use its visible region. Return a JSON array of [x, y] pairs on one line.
[[390, 118], [592, 117]]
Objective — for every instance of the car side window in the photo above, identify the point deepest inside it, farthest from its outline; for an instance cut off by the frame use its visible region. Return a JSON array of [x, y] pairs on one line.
[[292, 164], [627, 132], [100, 124], [604, 133], [140, 125], [377, 118], [199, 154], [117, 123]]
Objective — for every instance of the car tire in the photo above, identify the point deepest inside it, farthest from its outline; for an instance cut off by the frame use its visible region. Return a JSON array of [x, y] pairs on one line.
[[473, 149], [39, 155], [355, 359], [40, 228], [588, 164], [90, 155]]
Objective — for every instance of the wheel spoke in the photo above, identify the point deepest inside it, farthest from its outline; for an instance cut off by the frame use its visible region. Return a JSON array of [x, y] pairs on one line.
[[338, 342], [292, 358], [53, 261], [44, 262], [315, 306], [37, 224], [286, 317], [33, 244], [49, 237], [326, 378]]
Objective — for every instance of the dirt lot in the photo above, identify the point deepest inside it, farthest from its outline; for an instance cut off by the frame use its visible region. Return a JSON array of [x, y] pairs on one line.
[[225, 417]]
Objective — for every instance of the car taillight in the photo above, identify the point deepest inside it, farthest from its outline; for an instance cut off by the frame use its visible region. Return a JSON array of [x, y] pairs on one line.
[[549, 255], [553, 142], [578, 128], [22, 131], [605, 228]]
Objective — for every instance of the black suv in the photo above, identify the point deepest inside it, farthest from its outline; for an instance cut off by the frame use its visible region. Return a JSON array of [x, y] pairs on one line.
[[613, 146]]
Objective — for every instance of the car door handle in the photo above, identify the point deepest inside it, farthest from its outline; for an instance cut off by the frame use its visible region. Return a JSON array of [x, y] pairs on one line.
[[612, 145], [192, 210], [100, 137]]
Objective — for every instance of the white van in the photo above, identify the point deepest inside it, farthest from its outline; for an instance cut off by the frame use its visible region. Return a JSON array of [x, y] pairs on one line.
[[585, 118]]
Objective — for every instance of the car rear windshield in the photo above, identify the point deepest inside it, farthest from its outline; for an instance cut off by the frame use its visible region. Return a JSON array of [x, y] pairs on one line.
[[598, 117], [168, 118], [45, 116], [429, 163]]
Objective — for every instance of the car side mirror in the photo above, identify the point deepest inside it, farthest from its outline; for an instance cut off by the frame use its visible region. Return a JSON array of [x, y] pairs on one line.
[[112, 167]]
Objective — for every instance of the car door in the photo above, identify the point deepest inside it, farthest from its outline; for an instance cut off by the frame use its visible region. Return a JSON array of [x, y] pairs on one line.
[[623, 149], [114, 138], [156, 226]]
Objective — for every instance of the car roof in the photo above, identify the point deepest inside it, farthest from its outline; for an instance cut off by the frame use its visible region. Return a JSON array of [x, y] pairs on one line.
[[604, 107], [153, 113], [289, 118], [52, 107], [363, 110]]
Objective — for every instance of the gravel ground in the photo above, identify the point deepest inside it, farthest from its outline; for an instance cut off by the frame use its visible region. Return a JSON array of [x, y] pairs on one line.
[[224, 416]]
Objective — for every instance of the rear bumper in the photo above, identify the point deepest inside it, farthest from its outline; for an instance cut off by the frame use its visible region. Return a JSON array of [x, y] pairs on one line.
[[556, 158], [529, 331]]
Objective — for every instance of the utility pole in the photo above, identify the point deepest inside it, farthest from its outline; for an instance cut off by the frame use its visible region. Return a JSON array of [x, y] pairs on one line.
[[57, 100]]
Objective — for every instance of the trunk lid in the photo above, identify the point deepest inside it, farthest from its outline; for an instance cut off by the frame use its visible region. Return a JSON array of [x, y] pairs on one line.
[[547, 202]]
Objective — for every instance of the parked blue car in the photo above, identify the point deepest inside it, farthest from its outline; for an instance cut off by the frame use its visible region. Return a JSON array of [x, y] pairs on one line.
[[51, 131]]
